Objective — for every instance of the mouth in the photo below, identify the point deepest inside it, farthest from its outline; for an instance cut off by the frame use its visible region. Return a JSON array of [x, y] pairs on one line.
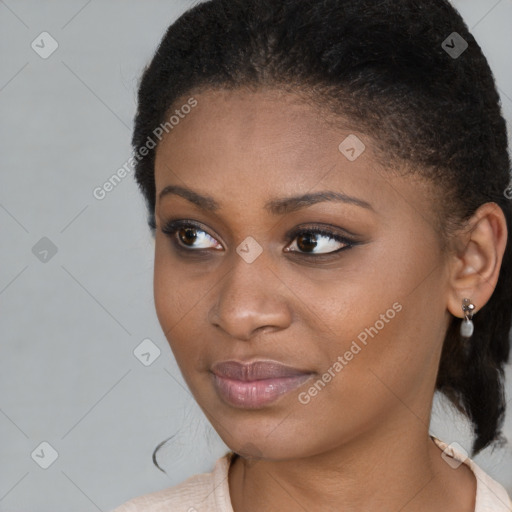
[[257, 384]]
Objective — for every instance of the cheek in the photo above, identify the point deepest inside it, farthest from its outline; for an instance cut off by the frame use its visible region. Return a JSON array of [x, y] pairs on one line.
[[387, 317], [181, 300], [172, 296], [166, 291], [176, 289], [386, 298]]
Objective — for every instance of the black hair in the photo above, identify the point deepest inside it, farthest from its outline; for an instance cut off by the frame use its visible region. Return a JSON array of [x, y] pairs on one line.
[[388, 66]]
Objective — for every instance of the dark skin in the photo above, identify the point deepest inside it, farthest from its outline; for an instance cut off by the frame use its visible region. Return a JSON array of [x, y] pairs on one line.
[[362, 443]]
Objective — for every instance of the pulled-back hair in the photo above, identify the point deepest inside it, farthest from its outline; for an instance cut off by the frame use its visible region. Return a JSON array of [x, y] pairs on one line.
[[382, 65]]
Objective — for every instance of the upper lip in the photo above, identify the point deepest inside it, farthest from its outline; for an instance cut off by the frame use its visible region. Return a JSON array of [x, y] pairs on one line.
[[256, 370]]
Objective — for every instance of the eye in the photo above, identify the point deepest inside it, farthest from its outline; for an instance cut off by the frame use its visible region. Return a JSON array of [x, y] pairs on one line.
[[189, 236], [311, 241], [316, 240]]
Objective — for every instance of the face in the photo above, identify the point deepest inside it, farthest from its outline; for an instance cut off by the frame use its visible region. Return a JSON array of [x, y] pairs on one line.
[[346, 289]]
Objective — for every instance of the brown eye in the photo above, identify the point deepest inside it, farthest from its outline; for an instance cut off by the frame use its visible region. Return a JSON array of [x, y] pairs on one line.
[[307, 240], [187, 235], [313, 241], [306, 243]]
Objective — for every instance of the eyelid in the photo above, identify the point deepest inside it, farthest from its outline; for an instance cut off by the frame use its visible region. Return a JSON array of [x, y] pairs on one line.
[[323, 228]]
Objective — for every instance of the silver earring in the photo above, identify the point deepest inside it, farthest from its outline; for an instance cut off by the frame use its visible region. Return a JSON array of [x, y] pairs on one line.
[[466, 327]]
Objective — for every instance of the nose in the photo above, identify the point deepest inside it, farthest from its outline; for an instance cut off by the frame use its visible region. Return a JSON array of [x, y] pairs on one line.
[[251, 299]]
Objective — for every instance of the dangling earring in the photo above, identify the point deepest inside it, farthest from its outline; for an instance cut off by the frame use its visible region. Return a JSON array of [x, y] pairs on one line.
[[466, 327]]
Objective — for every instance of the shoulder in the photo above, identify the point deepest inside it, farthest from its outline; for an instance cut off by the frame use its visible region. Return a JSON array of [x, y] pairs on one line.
[[205, 492], [491, 496]]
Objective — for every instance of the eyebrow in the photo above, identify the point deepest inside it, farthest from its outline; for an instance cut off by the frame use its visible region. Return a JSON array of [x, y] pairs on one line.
[[279, 206]]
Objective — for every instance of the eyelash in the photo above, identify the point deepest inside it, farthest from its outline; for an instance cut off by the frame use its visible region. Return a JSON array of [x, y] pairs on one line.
[[173, 226]]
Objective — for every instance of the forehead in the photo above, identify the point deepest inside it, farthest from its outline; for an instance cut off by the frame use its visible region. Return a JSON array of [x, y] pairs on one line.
[[253, 146], [242, 119], [235, 131]]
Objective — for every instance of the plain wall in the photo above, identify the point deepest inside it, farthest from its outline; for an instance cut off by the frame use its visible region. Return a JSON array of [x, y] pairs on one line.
[[69, 325]]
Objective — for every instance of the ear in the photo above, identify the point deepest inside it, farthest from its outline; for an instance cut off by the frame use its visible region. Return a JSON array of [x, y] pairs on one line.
[[476, 260]]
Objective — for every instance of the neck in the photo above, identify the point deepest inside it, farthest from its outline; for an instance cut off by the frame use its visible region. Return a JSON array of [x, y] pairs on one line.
[[379, 470]]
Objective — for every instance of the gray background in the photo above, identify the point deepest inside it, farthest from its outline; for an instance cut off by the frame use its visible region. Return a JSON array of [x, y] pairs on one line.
[[70, 324]]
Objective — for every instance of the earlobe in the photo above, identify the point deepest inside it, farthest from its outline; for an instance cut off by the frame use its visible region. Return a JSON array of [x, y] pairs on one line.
[[476, 266]]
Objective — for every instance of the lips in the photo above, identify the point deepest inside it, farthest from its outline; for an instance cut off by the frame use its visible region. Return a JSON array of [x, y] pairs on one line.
[[257, 384], [257, 370]]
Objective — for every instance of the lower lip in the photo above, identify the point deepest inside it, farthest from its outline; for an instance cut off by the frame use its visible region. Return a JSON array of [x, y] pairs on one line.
[[257, 393]]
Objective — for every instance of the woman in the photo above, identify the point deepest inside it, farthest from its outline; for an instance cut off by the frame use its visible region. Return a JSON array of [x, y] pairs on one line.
[[326, 184]]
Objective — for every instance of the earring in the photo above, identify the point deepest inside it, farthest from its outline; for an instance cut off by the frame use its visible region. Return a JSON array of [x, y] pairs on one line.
[[466, 327]]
